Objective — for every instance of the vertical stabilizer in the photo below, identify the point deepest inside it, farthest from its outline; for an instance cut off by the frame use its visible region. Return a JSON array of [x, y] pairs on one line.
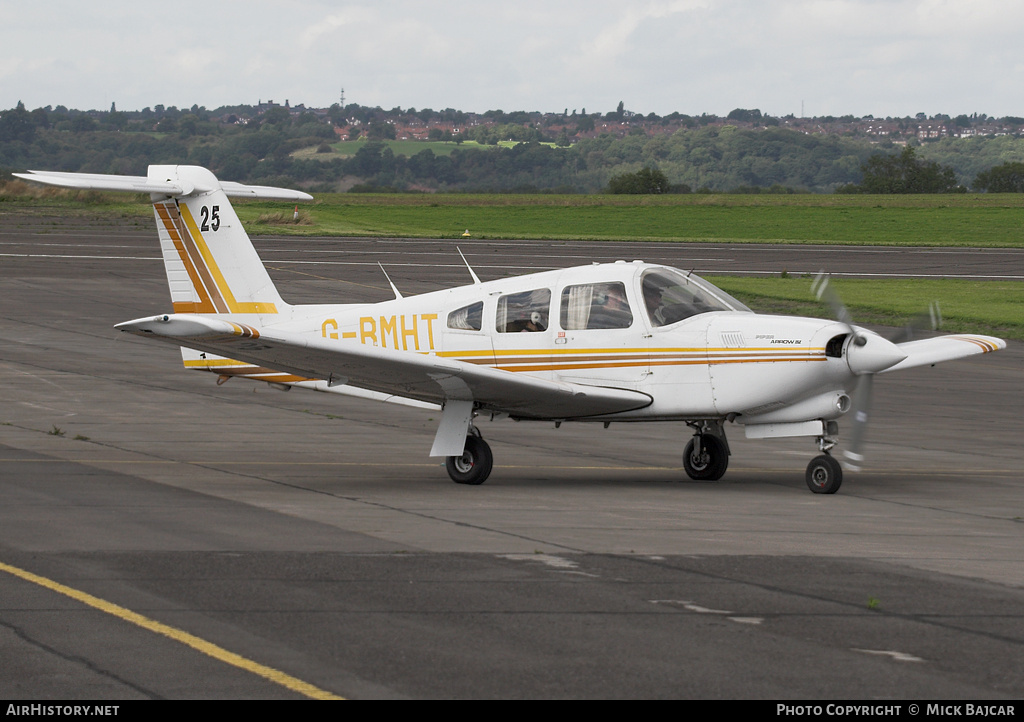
[[211, 264]]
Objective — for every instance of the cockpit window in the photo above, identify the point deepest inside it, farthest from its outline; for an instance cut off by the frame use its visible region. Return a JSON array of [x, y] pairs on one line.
[[595, 305], [671, 296], [526, 311]]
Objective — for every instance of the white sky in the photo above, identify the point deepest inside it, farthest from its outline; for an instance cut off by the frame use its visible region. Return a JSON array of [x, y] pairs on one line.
[[837, 57]]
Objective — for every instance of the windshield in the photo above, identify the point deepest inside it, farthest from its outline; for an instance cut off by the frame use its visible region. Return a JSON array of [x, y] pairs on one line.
[[671, 296]]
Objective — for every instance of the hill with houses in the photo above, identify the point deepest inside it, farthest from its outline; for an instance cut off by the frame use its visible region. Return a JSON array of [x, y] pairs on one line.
[[406, 149]]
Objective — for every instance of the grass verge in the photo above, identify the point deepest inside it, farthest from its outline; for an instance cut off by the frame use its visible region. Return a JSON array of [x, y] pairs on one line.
[[986, 221], [989, 307]]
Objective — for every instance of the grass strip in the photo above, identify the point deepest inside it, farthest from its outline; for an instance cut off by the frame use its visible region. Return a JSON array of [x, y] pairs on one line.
[[984, 221], [990, 307]]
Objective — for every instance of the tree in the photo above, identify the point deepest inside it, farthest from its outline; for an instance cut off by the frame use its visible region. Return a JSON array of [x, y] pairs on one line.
[[166, 125], [381, 130], [905, 173], [17, 124], [276, 116], [644, 181], [1005, 178], [82, 123], [367, 161], [336, 114], [40, 118], [743, 115]]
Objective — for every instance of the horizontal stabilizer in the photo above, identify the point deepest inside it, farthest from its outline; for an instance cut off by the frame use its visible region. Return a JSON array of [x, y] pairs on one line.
[[188, 326], [169, 187], [929, 351]]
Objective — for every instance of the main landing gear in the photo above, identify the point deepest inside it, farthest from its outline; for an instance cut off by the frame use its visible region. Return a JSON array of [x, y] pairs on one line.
[[706, 456], [474, 466]]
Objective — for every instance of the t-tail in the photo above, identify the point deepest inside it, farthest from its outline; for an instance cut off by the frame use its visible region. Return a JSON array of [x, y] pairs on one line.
[[211, 265]]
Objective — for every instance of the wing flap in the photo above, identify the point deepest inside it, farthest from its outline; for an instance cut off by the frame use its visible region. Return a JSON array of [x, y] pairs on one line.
[[419, 376], [929, 351]]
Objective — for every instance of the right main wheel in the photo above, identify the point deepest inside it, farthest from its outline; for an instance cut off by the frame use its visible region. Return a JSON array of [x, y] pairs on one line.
[[474, 466], [706, 460], [824, 475]]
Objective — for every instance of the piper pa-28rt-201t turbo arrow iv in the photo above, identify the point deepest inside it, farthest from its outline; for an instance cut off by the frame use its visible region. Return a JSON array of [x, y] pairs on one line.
[[623, 342]]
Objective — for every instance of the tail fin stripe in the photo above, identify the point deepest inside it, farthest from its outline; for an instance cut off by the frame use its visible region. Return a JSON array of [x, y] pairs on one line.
[[205, 304], [204, 256], [201, 260]]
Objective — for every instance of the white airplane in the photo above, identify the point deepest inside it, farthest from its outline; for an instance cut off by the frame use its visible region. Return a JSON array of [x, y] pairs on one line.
[[623, 342]]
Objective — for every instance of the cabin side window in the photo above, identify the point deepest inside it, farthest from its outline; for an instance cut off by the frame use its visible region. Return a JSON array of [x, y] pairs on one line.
[[523, 312], [594, 306], [467, 318]]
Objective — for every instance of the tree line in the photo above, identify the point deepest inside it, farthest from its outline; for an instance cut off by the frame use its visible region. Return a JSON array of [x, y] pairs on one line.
[[697, 156]]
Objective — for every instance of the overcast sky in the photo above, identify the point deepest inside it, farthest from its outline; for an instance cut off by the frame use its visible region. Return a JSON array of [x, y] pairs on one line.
[[829, 57]]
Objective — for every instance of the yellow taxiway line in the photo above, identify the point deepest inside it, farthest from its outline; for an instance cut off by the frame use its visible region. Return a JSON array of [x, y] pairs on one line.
[[200, 645]]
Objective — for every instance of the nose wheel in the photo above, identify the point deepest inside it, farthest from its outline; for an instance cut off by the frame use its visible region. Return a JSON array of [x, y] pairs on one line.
[[824, 475]]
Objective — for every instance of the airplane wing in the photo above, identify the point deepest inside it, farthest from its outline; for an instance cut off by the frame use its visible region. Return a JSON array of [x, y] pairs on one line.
[[930, 351], [419, 376]]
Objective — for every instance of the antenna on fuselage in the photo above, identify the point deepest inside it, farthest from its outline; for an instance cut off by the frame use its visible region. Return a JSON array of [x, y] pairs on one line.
[[398, 294], [476, 279]]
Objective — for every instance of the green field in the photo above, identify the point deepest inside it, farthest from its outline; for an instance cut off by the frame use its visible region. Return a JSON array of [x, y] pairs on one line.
[[970, 220], [984, 221], [991, 307]]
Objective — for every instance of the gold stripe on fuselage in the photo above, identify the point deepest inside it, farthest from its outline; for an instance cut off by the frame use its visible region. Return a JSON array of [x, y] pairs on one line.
[[535, 360]]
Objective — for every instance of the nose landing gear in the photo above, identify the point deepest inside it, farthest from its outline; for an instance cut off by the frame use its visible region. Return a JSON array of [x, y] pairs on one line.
[[824, 474]]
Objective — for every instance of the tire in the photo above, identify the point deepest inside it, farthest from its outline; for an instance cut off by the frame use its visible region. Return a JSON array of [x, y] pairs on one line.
[[706, 462], [824, 475], [474, 466]]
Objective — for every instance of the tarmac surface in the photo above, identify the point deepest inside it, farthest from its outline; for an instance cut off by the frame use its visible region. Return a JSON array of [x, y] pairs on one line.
[[293, 544]]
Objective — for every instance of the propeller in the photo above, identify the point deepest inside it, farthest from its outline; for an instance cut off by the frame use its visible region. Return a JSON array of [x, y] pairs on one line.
[[867, 354], [928, 320]]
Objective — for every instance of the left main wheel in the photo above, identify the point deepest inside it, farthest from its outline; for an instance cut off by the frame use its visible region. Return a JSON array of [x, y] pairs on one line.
[[474, 466], [824, 475], [705, 458]]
